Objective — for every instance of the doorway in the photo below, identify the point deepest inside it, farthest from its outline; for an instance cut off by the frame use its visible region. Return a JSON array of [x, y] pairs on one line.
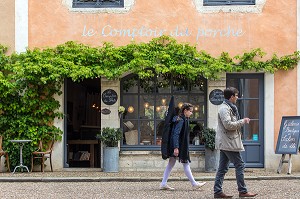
[[251, 104], [83, 123]]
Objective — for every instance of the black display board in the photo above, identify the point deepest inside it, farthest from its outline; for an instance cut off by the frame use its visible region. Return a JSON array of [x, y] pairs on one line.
[[288, 138], [216, 97], [109, 97]]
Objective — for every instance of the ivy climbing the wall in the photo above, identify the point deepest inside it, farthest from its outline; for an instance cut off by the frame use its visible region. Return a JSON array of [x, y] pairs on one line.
[[30, 81]]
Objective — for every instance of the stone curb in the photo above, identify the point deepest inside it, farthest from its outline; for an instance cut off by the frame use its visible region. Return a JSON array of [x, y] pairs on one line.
[[132, 179]]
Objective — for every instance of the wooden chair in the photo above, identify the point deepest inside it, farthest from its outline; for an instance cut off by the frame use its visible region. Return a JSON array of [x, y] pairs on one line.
[[4, 153], [43, 154]]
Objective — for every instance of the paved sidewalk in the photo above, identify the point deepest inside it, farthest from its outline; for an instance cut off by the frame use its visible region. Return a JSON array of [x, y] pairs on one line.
[[96, 175]]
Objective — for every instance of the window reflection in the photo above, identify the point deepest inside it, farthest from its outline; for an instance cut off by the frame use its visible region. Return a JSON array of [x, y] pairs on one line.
[[131, 107], [147, 106], [163, 84], [130, 84], [180, 85], [161, 106], [250, 87], [147, 132], [198, 86], [196, 137], [147, 85], [248, 105], [146, 102]]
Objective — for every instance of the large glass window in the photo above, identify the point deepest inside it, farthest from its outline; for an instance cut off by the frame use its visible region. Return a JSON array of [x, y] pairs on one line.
[[227, 2], [98, 3], [146, 102]]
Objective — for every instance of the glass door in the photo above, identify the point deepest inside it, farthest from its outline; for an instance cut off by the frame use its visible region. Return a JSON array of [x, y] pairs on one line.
[[251, 104]]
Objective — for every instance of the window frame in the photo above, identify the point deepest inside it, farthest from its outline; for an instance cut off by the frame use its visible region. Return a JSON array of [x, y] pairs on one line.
[[228, 2], [156, 120], [97, 4]]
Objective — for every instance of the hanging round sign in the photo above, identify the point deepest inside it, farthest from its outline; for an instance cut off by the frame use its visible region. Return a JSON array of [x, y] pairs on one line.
[[109, 97], [216, 97]]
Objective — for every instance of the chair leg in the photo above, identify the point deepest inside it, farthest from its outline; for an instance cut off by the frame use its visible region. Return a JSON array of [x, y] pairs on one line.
[[31, 163], [43, 163], [51, 162], [7, 161]]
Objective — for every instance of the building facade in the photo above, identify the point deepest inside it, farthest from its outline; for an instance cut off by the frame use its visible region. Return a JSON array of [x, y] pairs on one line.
[[213, 26]]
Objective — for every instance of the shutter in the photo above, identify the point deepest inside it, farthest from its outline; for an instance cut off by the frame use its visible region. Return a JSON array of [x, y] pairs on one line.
[[228, 2]]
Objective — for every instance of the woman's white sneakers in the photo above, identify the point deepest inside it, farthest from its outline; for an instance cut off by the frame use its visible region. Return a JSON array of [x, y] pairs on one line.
[[166, 187], [198, 185]]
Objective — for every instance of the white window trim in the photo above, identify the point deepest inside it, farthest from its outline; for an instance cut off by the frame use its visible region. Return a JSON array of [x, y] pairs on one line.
[[128, 4], [21, 25], [257, 8]]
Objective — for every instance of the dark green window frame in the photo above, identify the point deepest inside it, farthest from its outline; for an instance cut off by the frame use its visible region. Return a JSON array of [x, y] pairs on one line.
[[98, 3], [156, 90], [227, 2]]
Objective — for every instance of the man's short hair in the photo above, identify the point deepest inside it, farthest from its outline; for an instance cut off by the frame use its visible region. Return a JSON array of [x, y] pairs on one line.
[[230, 91]]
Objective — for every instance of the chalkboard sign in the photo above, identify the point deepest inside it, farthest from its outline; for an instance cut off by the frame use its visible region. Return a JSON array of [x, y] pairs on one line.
[[216, 97], [288, 138], [109, 97]]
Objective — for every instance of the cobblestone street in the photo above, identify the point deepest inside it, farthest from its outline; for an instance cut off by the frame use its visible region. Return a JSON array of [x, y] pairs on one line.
[[139, 190]]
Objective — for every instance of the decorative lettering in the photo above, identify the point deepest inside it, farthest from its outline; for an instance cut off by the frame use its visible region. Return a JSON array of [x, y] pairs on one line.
[[109, 97], [143, 31], [288, 139]]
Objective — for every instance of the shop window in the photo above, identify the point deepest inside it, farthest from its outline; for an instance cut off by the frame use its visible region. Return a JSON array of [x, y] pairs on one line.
[[98, 3], [227, 2], [146, 102]]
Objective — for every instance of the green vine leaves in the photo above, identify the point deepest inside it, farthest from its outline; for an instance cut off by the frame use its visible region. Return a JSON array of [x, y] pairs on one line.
[[160, 56], [30, 80]]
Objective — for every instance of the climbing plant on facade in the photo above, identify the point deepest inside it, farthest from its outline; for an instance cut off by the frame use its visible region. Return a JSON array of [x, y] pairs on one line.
[[30, 81]]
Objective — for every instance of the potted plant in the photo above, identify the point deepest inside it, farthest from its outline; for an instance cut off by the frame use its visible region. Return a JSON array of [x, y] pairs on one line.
[[209, 135], [110, 137], [121, 111], [212, 155]]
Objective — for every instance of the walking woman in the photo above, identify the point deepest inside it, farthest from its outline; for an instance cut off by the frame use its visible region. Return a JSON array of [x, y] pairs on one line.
[[179, 147]]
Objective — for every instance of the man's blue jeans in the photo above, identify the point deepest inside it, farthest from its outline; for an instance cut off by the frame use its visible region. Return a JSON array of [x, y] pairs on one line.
[[225, 158]]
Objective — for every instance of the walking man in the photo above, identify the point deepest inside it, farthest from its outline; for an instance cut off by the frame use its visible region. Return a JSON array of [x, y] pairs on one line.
[[229, 142]]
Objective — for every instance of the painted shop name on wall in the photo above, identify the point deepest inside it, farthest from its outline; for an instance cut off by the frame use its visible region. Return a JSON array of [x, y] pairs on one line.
[[110, 31]]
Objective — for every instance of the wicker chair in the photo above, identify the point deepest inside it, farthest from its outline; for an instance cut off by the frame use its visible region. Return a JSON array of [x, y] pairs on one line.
[[4, 153], [43, 154]]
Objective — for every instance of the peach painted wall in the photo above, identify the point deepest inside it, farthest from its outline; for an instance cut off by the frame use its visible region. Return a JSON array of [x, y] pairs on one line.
[[51, 23], [274, 30], [7, 24], [285, 96]]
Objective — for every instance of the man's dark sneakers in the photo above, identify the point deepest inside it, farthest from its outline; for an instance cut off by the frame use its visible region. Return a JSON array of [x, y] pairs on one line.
[[221, 195], [247, 195]]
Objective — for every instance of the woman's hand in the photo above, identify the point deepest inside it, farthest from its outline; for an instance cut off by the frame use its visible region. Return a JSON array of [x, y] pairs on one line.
[[176, 152]]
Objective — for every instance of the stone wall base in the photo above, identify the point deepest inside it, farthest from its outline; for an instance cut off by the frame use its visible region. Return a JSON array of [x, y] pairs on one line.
[[152, 161]]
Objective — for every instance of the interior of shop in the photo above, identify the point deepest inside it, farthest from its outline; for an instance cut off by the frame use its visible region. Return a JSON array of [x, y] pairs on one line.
[[83, 123]]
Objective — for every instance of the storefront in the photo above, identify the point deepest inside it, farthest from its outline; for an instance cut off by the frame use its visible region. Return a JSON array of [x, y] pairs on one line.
[[233, 28]]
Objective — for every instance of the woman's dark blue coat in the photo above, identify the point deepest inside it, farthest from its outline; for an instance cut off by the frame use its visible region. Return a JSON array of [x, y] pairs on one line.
[[180, 138]]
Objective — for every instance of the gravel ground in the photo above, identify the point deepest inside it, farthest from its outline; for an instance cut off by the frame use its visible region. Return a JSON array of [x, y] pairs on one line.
[[95, 173], [140, 185], [140, 190]]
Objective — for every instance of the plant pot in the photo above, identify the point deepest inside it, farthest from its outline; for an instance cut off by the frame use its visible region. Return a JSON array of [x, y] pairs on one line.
[[211, 160], [111, 159]]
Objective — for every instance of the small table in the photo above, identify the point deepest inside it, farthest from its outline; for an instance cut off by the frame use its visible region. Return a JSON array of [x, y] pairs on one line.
[[21, 143]]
